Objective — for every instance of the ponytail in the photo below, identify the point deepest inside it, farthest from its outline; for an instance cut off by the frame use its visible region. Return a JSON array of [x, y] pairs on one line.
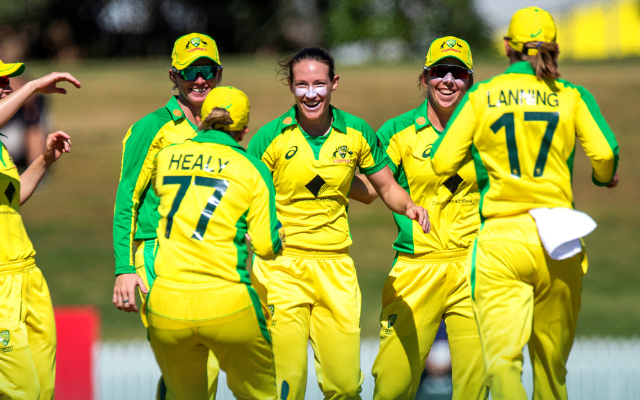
[[544, 60], [217, 119]]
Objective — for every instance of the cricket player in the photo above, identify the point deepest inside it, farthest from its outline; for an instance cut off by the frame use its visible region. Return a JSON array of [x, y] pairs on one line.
[[212, 194], [312, 290], [521, 129], [428, 281], [195, 70], [27, 324]]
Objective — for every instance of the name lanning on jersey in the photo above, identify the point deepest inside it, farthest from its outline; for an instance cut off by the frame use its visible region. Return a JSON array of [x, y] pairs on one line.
[[521, 97]]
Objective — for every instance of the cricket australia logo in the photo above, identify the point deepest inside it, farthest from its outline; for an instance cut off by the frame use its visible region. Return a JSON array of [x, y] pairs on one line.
[[451, 43], [196, 44], [342, 152], [390, 322], [5, 337]]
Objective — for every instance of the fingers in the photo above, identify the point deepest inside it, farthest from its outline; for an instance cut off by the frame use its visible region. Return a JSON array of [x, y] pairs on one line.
[[131, 296], [65, 76], [143, 288], [247, 237]]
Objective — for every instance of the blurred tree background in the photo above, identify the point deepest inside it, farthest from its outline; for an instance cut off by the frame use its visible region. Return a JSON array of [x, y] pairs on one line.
[[356, 29]]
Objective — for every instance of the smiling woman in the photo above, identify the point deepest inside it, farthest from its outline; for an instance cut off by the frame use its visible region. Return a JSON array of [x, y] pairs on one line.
[[195, 70], [412, 313], [313, 151]]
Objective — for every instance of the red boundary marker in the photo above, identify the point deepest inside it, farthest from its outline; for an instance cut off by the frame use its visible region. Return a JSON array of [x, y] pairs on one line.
[[78, 330]]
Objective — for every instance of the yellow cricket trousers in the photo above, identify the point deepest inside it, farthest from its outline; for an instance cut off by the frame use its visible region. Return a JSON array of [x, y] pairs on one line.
[[521, 296], [144, 259], [27, 333], [420, 291], [191, 323], [313, 296]]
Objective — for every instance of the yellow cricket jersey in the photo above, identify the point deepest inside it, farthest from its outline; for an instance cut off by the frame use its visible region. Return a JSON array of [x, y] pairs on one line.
[[521, 133], [452, 201], [313, 175], [14, 242], [136, 208], [212, 193]]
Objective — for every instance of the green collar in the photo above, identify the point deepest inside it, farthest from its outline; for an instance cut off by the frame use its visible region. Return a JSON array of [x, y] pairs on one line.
[[520, 67], [289, 118], [174, 109], [421, 117], [218, 137]]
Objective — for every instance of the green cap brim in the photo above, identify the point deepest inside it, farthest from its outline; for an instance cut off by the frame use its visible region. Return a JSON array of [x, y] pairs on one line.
[[11, 70]]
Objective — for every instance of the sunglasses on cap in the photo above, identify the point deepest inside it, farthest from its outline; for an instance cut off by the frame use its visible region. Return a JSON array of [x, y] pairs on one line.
[[4, 81], [191, 73], [440, 71]]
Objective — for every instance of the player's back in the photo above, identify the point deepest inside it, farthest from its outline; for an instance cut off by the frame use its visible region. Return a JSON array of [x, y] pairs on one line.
[[525, 140], [212, 193]]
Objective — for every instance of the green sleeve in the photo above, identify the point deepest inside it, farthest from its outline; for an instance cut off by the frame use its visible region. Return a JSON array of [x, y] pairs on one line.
[[261, 141], [375, 151], [137, 146], [384, 135]]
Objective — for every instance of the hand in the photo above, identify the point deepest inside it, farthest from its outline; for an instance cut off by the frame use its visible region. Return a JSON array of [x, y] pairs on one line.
[[57, 143], [124, 295], [421, 215], [247, 237], [47, 83], [614, 181]]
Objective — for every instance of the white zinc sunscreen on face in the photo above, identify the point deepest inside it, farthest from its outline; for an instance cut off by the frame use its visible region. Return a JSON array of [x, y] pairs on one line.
[[311, 91]]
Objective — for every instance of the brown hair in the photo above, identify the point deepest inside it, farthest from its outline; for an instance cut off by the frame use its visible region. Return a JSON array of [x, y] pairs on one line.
[[544, 62], [309, 53], [218, 116]]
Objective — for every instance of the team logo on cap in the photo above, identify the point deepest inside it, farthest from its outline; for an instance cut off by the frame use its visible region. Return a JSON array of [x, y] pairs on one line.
[[450, 43], [196, 42], [226, 106], [537, 33]]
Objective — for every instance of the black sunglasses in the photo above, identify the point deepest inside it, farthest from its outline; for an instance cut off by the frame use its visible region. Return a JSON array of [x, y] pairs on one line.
[[440, 71]]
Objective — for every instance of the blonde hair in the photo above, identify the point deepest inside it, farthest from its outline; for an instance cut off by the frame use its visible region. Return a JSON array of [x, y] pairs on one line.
[[544, 62], [219, 116]]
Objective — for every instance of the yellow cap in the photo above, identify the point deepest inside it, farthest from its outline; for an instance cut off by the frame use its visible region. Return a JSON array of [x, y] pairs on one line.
[[449, 46], [232, 100], [14, 69], [191, 47], [531, 24]]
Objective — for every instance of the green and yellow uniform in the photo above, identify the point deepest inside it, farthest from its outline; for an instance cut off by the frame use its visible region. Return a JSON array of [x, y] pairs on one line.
[[428, 280], [211, 194], [521, 134], [27, 324], [136, 210], [312, 289]]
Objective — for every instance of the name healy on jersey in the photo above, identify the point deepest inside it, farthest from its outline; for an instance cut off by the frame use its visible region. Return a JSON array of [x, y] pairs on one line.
[[196, 161], [521, 97]]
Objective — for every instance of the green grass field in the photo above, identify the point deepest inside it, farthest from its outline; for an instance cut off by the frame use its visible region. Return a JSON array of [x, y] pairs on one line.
[[69, 220]]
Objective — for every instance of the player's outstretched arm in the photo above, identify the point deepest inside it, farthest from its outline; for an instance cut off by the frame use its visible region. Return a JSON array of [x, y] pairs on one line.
[[45, 85], [397, 199], [57, 143]]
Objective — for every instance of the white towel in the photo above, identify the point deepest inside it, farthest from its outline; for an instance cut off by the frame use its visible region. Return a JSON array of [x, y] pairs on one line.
[[560, 230]]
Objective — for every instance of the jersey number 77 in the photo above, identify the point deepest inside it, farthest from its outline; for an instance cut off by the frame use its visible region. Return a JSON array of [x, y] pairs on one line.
[[220, 188]]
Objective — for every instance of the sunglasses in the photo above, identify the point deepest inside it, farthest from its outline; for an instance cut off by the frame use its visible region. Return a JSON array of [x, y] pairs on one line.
[[441, 71], [4, 81], [191, 73]]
